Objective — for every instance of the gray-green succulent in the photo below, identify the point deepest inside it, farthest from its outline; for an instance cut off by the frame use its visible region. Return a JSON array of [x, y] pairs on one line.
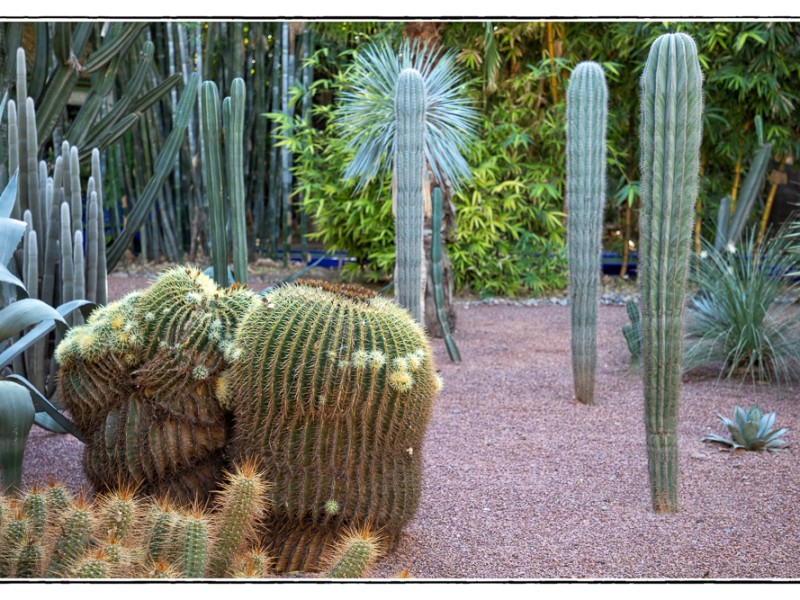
[[751, 430]]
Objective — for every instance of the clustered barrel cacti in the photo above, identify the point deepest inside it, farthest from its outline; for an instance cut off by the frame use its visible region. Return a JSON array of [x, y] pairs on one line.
[[409, 168], [328, 392], [587, 110], [671, 129]]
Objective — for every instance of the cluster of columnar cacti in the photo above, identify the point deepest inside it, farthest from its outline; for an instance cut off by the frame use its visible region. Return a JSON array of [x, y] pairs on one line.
[[587, 109], [671, 97], [409, 166], [63, 255], [329, 393], [232, 193], [49, 533]]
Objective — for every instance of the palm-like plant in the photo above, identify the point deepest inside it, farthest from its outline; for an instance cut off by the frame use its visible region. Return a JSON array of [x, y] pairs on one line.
[[366, 114], [751, 430], [736, 318]]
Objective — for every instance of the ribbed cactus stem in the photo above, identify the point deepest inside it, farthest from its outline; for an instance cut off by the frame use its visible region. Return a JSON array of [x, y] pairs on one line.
[[234, 149], [75, 191], [58, 500], [242, 504], [12, 536], [671, 96], [13, 150], [22, 121], [92, 248], [194, 547], [29, 560], [31, 151], [97, 176], [587, 109], [409, 165], [117, 514], [353, 555], [34, 505], [72, 541], [67, 270], [79, 268], [212, 172]]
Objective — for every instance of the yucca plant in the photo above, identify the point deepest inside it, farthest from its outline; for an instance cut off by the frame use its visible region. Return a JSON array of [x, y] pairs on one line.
[[751, 430], [736, 318], [366, 113]]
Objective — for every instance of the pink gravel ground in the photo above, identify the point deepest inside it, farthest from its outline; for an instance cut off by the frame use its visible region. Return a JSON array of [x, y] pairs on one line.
[[521, 481]]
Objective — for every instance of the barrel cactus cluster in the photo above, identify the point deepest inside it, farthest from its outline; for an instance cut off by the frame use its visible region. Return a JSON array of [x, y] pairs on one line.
[[328, 393]]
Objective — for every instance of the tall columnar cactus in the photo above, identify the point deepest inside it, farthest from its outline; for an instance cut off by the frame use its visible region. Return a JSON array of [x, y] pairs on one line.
[[72, 539], [212, 173], [334, 395], [587, 109], [409, 173], [234, 152], [193, 545], [671, 90]]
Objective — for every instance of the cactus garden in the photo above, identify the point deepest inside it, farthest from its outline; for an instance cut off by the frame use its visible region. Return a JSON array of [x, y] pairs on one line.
[[399, 300]]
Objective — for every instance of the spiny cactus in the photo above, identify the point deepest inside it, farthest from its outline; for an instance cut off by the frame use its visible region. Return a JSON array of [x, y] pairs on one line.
[[353, 555], [671, 95], [334, 395], [117, 512], [587, 109], [242, 505], [29, 559], [94, 565], [193, 545], [140, 380], [13, 535], [34, 505], [409, 174], [73, 538], [253, 564]]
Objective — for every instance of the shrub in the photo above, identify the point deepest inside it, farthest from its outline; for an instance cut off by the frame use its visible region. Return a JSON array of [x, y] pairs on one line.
[[736, 318]]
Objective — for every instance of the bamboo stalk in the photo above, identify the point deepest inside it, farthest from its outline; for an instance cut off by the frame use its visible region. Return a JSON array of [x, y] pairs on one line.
[[551, 53]]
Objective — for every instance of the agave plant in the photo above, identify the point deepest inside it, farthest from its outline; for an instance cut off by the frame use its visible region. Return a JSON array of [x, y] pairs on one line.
[[366, 114], [751, 430], [737, 318]]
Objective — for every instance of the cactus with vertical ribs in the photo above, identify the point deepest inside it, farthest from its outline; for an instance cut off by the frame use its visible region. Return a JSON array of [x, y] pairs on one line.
[[353, 555], [220, 191], [671, 129], [587, 109], [409, 173]]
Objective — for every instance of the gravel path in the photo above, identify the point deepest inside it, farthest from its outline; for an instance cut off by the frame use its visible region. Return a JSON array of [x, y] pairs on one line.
[[521, 481]]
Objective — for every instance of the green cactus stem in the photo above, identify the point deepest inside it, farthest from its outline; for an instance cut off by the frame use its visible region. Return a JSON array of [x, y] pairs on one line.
[[29, 560], [34, 505], [671, 95], [117, 514], [234, 150], [409, 165], [354, 554], [437, 271], [633, 332], [72, 540], [587, 109], [212, 173], [16, 418], [12, 537], [193, 554], [242, 504]]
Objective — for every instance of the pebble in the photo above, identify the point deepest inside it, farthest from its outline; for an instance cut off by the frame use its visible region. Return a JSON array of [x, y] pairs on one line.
[[608, 299]]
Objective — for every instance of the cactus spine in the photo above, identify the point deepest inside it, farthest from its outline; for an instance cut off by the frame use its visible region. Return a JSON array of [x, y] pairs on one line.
[[587, 109], [671, 96], [409, 165]]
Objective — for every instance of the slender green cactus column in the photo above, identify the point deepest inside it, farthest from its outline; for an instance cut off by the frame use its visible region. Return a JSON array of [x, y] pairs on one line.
[[587, 110], [212, 171], [672, 97], [409, 167], [234, 150]]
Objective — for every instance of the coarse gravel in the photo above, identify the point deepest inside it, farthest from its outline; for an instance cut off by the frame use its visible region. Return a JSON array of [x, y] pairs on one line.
[[522, 481]]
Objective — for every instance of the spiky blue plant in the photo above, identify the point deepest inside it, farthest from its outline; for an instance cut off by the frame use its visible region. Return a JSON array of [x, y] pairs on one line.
[[366, 113]]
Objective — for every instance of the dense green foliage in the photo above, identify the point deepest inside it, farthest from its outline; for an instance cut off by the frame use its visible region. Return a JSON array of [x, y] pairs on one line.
[[510, 234]]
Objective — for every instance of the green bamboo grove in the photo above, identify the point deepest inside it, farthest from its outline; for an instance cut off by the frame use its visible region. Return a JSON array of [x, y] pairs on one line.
[[671, 129], [587, 110], [329, 394]]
